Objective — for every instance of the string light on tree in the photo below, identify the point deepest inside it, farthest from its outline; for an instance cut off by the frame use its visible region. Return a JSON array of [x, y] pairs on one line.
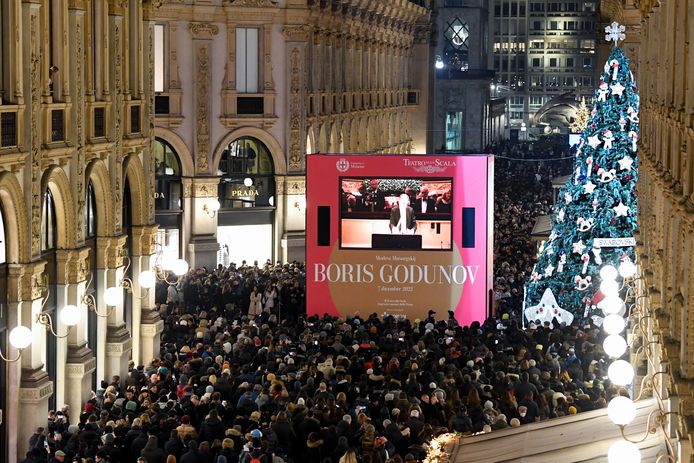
[[581, 120], [599, 199]]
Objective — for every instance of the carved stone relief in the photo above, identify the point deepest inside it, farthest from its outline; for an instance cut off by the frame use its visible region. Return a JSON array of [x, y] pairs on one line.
[[202, 135]]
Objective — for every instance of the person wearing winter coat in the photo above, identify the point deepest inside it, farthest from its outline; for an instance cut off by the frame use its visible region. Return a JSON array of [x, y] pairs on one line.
[[152, 452]]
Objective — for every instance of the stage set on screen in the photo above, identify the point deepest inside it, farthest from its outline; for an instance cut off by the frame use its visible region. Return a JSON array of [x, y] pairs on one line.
[[399, 235]]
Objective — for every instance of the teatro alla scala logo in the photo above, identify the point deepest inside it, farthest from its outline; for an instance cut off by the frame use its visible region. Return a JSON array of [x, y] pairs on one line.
[[342, 165]]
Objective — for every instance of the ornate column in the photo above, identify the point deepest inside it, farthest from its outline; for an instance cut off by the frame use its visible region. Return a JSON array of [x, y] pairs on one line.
[[202, 48], [115, 343], [76, 361], [31, 384], [146, 334], [78, 69], [116, 84], [294, 239], [30, 55], [296, 37], [147, 88], [203, 246]]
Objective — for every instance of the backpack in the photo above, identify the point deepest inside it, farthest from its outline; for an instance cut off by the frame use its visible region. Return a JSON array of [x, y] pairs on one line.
[[256, 457]]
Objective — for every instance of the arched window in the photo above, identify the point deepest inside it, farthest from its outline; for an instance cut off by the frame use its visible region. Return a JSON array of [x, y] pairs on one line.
[[90, 212], [3, 240], [90, 223], [247, 173], [49, 238], [168, 177], [48, 224], [455, 50]]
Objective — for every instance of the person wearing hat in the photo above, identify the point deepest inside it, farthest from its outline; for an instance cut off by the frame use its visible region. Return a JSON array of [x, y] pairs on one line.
[[192, 455], [415, 425], [228, 450], [59, 456]]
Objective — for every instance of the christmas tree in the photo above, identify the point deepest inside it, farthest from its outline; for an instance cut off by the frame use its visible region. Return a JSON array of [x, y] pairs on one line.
[[598, 202], [581, 120]]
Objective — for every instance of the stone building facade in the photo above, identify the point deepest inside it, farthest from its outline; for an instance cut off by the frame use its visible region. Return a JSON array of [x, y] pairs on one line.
[[249, 88], [93, 185], [76, 198], [657, 37]]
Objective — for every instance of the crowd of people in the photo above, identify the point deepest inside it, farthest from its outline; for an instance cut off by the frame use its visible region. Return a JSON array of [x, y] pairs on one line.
[[522, 193], [244, 376], [231, 387], [278, 288]]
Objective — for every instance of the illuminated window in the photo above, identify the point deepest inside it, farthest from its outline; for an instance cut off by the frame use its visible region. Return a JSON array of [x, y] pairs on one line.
[[453, 131], [90, 212], [588, 44], [3, 241], [247, 52], [167, 194], [3, 27], [159, 69], [456, 48], [247, 173], [48, 223]]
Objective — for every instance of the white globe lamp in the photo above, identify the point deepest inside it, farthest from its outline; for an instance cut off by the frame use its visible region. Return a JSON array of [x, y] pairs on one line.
[[613, 324], [614, 345], [113, 296], [180, 267], [147, 279], [70, 315], [623, 452], [621, 372], [609, 287], [612, 305], [621, 410], [213, 205], [248, 182], [167, 260], [20, 337]]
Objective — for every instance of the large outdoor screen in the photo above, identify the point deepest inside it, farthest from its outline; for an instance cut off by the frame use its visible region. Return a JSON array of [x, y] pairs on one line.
[[394, 213], [399, 235]]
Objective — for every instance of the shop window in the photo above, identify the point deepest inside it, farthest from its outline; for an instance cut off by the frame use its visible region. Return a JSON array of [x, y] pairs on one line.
[[247, 173], [167, 195]]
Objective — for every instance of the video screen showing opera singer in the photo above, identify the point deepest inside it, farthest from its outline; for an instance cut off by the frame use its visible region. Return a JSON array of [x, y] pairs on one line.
[[396, 213]]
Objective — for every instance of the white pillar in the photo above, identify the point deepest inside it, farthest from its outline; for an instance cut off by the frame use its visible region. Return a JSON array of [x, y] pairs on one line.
[[118, 340]]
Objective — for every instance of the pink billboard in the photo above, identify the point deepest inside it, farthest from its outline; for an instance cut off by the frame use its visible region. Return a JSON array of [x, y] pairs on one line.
[[399, 235]]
